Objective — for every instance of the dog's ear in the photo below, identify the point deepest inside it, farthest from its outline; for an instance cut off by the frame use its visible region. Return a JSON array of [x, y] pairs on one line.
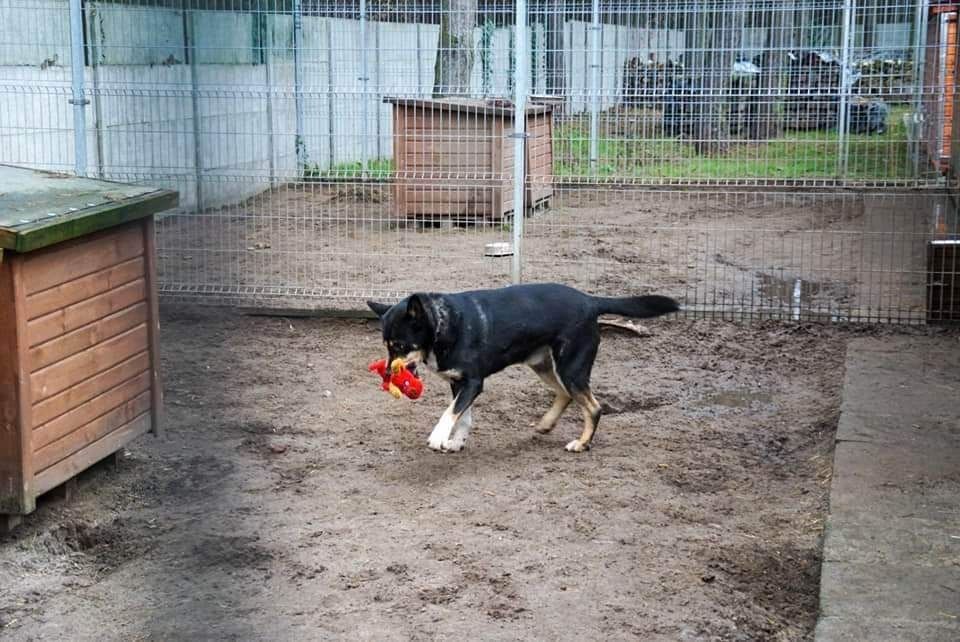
[[379, 309], [419, 309], [416, 310]]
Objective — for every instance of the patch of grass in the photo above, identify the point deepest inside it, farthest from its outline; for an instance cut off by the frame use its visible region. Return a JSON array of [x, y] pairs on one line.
[[631, 147], [378, 168], [795, 155]]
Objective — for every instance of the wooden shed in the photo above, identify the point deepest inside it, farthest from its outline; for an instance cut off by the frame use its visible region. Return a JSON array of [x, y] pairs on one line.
[[78, 327], [454, 158], [940, 74]]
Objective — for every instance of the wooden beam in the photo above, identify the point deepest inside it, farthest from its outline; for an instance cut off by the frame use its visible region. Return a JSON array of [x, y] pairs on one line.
[[16, 471], [153, 327]]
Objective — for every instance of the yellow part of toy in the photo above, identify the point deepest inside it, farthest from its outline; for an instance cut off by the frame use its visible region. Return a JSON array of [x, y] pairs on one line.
[[395, 391], [397, 365]]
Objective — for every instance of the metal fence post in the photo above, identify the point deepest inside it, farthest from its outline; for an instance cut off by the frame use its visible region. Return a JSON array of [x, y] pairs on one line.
[[79, 99], [919, 71], [331, 109], [266, 43], [419, 64], [191, 47], [377, 88], [94, 47], [301, 144], [845, 83], [520, 137], [595, 87], [364, 84]]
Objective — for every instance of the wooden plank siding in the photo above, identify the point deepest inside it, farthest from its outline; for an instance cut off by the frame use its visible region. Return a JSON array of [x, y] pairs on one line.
[[88, 317], [459, 162], [90, 454], [51, 380], [61, 264], [61, 426], [82, 392], [940, 75], [950, 88]]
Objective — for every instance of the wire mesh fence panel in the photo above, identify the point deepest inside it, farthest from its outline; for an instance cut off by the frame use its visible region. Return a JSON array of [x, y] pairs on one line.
[[752, 157]]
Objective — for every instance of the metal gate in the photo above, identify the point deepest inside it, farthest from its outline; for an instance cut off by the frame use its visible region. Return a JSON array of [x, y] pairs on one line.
[[752, 158]]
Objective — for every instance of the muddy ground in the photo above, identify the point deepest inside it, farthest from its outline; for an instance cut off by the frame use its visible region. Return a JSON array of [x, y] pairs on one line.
[[291, 499]]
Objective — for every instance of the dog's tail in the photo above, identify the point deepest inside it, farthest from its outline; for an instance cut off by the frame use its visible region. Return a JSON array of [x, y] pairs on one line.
[[637, 307]]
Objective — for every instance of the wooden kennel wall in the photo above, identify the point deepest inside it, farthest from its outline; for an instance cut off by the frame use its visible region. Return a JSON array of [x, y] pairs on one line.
[[943, 281], [78, 327], [940, 75], [455, 157]]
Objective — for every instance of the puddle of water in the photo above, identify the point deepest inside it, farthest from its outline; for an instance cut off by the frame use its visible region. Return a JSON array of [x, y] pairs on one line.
[[736, 398], [781, 289]]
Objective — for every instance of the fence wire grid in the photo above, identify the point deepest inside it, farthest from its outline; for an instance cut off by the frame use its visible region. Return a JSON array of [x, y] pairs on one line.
[[792, 160]]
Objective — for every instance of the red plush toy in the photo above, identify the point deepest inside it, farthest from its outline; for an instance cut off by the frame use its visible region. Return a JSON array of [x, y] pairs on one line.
[[398, 380]]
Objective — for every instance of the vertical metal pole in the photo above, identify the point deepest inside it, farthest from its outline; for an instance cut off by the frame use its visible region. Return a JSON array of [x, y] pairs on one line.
[[919, 71], [376, 88], [191, 47], [845, 82], [520, 136], [331, 109], [595, 87], [364, 84], [419, 64], [79, 100], [267, 43], [93, 33], [300, 143]]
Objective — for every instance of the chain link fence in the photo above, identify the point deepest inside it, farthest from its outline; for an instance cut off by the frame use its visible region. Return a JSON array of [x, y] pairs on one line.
[[752, 158]]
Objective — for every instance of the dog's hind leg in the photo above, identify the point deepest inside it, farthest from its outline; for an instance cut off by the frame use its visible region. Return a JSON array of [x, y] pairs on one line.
[[450, 433], [574, 359], [591, 419], [543, 365]]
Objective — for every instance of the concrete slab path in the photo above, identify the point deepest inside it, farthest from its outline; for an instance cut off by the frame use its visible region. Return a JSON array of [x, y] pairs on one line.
[[891, 559]]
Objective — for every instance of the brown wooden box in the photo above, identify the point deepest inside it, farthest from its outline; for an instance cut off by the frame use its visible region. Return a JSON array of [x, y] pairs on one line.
[[78, 327], [943, 281], [455, 158]]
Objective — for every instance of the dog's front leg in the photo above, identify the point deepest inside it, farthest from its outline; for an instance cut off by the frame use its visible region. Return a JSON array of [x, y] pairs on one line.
[[450, 433]]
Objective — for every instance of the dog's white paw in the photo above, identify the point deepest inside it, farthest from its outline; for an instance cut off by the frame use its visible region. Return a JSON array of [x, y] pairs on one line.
[[576, 446], [435, 443], [454, 445]]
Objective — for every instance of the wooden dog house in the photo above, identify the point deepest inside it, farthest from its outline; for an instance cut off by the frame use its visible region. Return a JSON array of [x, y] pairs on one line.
[[454, 158], [78, 327]]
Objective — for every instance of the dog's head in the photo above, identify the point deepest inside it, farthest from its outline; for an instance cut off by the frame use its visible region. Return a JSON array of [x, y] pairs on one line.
[[409, 327]]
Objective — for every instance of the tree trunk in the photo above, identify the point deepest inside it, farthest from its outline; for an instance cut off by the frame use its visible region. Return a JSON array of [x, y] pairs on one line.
[[451, 73], [556, 76], [723, 31], [768, 122]]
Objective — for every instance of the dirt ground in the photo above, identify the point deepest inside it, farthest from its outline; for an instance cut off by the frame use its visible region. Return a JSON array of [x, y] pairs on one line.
[[291, 499], [847, 256]]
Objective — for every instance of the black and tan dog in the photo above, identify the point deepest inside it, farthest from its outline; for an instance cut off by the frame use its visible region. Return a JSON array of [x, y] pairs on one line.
[[469, 336]]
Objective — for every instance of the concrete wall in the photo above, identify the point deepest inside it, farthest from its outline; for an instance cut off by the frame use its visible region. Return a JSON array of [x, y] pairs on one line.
[[153, 117]]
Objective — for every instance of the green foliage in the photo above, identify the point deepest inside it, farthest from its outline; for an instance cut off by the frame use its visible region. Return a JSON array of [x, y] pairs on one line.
[[377, 169], [794, 155]]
